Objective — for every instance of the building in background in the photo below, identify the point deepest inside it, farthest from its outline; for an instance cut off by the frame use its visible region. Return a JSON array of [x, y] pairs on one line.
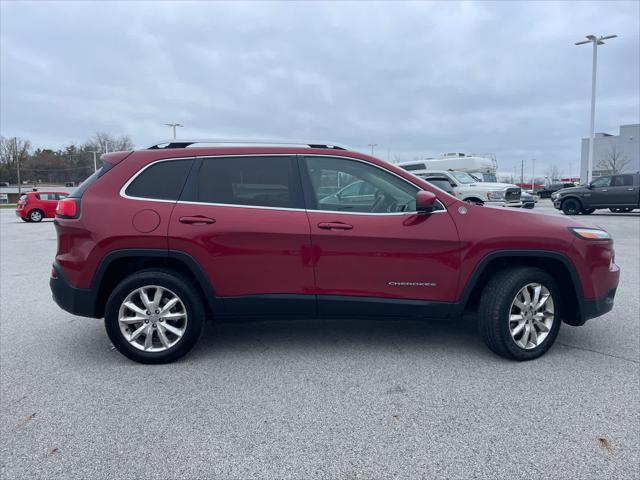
[[612, 152]]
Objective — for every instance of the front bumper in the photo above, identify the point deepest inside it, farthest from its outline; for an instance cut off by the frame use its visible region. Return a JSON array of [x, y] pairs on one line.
[[78, 301], [503, 203], [596, 307]]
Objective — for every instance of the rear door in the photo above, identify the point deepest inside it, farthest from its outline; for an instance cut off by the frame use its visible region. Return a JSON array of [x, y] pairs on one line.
[[623, 192], [376, 259], [49, 201], [242, 219]]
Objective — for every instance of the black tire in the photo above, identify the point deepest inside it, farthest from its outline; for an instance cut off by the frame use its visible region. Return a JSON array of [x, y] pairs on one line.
[[571, 206], [495, 310], [176, 283], [36, 215], [588, 211], [25, 219], [615, 210]]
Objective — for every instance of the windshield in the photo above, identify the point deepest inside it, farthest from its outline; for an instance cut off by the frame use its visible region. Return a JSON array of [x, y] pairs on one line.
[[463, 177]]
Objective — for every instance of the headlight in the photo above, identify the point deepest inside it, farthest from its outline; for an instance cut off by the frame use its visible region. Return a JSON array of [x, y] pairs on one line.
[[497, 195], [590, 233]]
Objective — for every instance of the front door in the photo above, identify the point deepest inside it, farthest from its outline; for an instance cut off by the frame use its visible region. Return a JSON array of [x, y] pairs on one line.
[[243, 220], [379, 256]]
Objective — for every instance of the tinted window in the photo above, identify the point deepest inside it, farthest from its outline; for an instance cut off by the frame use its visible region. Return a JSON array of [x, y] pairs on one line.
[[388, 193], [413, 167], [162, 181], [623, 181], [602, 182], [441, 183], [252, 181]]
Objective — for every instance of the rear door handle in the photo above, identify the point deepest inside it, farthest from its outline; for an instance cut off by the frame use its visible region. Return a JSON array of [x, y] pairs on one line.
[[334, 226], [631, 189], [197, 220]]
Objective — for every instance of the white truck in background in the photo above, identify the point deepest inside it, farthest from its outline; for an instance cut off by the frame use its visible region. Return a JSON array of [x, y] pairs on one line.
[[482, 166]]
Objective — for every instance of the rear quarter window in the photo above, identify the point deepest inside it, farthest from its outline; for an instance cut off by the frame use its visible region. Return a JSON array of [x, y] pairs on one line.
[[163, 180]]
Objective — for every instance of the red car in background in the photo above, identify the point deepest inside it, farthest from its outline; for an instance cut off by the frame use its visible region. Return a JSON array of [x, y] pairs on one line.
[[34, 206]]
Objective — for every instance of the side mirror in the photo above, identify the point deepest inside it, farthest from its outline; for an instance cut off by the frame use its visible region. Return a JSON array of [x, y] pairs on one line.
[[425, 202]]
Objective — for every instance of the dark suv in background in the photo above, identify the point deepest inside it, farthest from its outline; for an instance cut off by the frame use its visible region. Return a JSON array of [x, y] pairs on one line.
[[618, 193], [158, 240]]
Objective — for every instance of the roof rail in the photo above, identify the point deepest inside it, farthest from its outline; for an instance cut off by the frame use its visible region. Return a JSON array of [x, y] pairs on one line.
[[184, 143]]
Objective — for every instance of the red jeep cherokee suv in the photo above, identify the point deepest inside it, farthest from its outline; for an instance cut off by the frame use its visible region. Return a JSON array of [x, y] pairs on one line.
[[158, 240]]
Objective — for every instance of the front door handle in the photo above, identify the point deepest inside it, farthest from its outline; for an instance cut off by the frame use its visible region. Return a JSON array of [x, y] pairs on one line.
[[197, 220], [631, 189], [604, 190], [334, 226]]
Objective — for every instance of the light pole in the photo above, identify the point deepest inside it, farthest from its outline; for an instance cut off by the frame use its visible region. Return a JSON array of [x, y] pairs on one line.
[[596, 41], [173, 127], [95, 162], [15, 147], [533, 175], [372, 145]]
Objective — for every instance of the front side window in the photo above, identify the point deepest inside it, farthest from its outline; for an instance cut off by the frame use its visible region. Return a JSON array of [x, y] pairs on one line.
[[463, 177], [161, 181], [601, 182], [251, 181], [378, 191]]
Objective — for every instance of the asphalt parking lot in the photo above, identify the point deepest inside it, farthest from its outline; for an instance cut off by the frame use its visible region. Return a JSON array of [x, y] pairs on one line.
[[313, 399]]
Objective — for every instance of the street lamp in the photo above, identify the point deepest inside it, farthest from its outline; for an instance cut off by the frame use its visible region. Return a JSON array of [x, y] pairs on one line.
[[596, 41], [372, 145], [95, 163], [173, 127]]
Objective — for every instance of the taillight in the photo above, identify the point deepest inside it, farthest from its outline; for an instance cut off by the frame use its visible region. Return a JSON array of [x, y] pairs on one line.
[[68, 208]]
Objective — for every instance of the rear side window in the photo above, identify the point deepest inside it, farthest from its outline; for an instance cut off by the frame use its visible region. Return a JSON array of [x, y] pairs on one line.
[[251, 181], [161, 181], [623, 181], [78, 192]]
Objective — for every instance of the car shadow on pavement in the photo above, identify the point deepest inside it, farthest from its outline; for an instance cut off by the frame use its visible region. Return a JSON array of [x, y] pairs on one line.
[[296, 336]]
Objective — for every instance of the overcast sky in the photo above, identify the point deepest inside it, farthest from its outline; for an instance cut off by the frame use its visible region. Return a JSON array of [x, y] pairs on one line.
[[414, 78]]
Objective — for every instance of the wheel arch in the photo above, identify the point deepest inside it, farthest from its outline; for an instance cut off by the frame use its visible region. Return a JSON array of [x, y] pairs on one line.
[[572, 197], [556, 264], [120, 263]]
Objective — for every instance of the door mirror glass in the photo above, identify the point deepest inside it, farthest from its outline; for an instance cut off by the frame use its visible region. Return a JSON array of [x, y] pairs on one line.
[[425, 202]]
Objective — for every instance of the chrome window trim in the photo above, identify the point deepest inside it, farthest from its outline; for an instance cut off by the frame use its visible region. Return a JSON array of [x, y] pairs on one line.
[[186, 202]]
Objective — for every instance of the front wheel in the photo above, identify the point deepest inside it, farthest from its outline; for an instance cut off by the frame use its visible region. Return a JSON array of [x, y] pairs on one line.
[[154, 316], [25, 219], [571, 206], [519, 313]]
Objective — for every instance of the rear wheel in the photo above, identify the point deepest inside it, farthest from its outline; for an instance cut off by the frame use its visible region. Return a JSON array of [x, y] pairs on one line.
[[571, 206], [519, 313], [36, 215], [154, 316]]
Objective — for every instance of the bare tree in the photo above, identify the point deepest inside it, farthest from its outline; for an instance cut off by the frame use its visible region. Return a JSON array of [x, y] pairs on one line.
[[614, 161], [105, 142], [552, 172], [13, 149]]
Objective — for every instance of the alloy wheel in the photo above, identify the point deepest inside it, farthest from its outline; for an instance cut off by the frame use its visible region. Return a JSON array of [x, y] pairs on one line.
[[531, 316], [152, 318]]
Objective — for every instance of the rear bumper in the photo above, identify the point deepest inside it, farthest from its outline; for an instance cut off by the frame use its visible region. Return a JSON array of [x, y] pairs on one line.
[[78, 301]]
